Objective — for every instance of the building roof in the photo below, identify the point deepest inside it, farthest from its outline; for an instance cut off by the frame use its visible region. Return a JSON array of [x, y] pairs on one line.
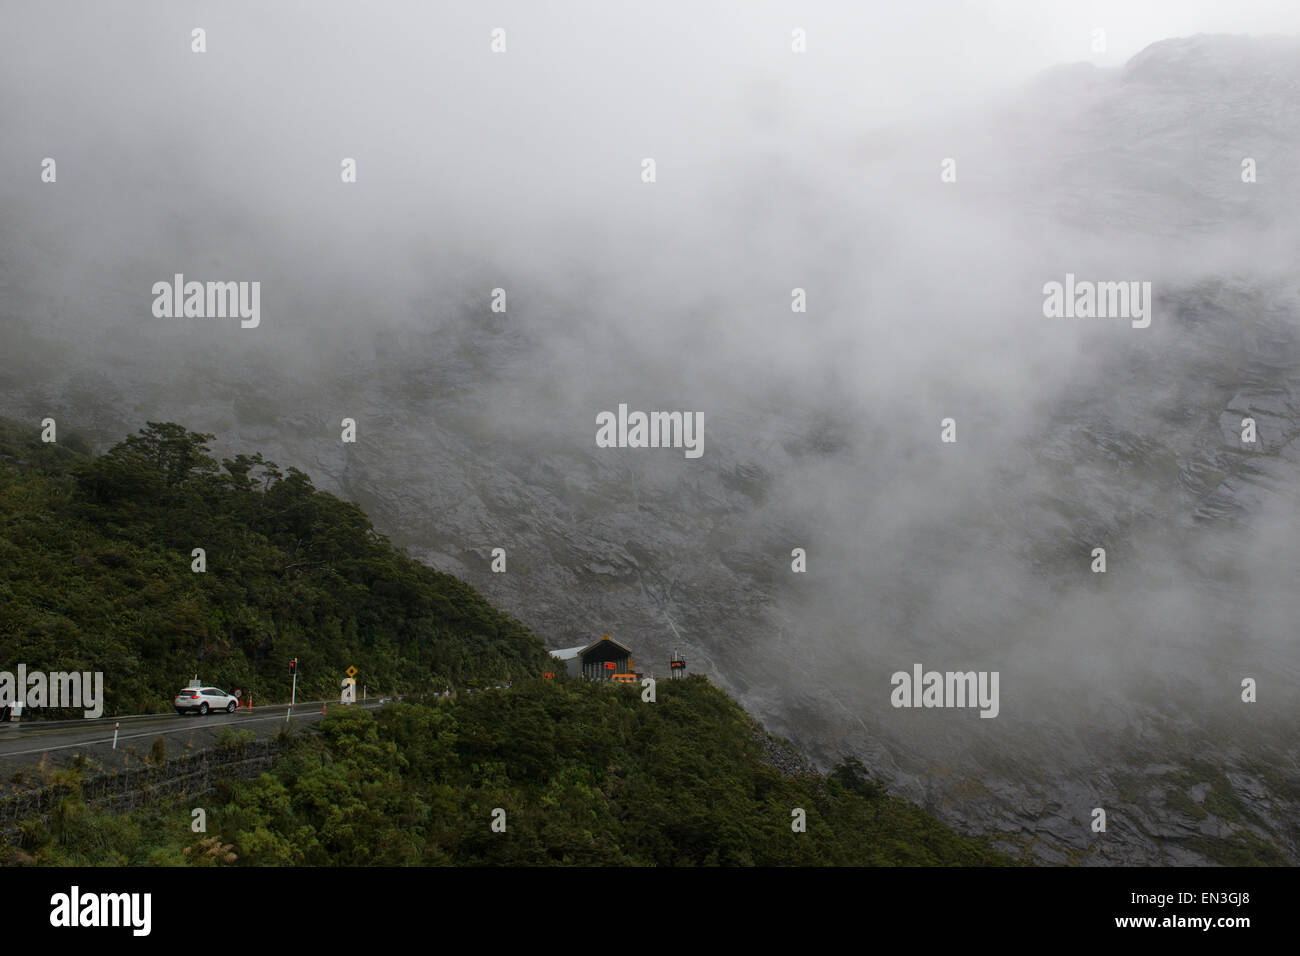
[[568, 653], [604, 640]]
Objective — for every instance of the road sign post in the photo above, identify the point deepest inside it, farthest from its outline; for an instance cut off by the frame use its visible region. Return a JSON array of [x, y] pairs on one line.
[[293, 695]]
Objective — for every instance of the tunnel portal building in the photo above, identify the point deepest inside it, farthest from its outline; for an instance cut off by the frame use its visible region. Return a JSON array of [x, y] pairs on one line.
[[599, 660]]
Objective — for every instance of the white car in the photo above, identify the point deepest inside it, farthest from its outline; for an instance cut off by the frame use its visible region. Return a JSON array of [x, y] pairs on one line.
[[203, 699]]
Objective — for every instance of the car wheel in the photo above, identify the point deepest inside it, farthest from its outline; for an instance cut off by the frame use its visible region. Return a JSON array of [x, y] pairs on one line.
[[203, 709], [230, 707]]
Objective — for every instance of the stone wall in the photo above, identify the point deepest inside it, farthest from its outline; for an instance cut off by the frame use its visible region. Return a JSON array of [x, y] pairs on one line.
[[119, 791]]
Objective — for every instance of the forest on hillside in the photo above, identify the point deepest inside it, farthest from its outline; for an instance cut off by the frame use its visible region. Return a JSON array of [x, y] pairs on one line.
[[98, 572]]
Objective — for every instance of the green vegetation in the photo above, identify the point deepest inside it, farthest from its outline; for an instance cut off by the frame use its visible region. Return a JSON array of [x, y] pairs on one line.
[[1243, 848], [79, 836], [235, 738], [586, 775], [95, 574]]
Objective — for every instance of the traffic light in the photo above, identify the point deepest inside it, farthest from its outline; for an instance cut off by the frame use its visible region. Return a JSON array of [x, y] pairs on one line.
[[293, 666]]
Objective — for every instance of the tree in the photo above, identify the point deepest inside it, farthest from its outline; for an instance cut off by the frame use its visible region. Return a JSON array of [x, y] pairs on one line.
[[178, 454], [162, 457]]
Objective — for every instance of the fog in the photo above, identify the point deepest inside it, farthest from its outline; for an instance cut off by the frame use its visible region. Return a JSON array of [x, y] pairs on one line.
[[775, 170]]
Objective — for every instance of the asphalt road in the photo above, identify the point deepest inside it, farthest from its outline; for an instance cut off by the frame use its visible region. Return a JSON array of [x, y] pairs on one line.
[[19, 742]]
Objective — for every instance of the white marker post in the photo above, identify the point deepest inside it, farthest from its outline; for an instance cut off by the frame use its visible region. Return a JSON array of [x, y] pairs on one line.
[[116, 725]]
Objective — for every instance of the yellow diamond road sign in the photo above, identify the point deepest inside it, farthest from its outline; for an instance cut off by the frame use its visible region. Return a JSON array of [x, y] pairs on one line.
[[352, 672]]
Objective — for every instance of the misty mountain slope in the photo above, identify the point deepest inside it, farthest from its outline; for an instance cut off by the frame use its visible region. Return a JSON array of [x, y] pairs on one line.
[[1158, 146], [476, 430]]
